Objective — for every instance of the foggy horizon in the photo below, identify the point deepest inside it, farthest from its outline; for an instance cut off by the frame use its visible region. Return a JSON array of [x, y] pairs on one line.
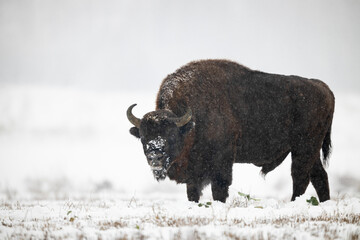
[[134, 45]]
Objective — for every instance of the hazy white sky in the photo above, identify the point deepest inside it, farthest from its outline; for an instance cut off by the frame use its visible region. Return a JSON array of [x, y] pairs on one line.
[[134, 44]]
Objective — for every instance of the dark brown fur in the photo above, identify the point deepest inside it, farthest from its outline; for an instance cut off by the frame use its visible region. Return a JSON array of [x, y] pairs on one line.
[[245, 116]]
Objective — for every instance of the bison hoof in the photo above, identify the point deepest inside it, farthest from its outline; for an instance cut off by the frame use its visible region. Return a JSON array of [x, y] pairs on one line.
[[194, 197], [220, 193], [220, 198], [223, 200]]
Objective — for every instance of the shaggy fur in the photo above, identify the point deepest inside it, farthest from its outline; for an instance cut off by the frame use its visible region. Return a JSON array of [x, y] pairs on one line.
[[241, 116]]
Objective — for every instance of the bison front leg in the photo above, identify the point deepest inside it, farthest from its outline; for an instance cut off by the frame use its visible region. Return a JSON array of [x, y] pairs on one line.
[[220, 188], [221, 181], [193, 191]]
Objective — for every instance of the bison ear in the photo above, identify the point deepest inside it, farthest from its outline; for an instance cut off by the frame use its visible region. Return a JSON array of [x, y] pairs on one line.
[[135, 132], [187, 127]]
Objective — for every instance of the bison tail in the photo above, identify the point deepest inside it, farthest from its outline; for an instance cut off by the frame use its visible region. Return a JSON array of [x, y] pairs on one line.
[[326, 146]]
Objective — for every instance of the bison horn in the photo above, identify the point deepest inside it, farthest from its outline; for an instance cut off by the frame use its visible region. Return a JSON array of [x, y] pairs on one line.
[[181, 121], [134, 120]]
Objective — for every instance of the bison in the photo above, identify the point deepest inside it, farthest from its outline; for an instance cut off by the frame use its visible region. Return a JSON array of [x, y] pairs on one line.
[[213, 113]]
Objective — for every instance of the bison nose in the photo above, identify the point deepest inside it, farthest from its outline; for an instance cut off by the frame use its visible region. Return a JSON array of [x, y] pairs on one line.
[[155, 162], [154, 157]]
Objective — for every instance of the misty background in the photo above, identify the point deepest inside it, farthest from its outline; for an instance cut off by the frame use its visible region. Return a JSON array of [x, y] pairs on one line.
[[69, 70], [133, 45]]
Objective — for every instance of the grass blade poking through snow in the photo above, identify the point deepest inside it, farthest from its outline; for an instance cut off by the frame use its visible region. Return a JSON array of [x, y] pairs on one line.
[[206, 205], [247, 196], [313, 201]]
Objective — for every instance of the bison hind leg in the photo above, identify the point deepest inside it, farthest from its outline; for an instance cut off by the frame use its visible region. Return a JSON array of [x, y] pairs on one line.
[[319, 180], [300, 173]]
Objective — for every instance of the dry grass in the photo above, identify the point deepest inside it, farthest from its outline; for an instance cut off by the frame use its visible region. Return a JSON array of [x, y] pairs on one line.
[[147, 220]]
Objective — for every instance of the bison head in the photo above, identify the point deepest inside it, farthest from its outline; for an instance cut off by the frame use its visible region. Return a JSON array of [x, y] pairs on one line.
[[162, 136]]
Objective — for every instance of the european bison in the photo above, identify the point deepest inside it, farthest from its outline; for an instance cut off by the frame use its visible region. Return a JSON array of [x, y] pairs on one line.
[[213, 113]]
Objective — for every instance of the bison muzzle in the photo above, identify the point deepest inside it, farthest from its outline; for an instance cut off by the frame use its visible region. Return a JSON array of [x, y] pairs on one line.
[[213, 113]]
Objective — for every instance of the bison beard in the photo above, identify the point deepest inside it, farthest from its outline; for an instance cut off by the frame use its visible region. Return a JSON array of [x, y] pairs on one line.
[[213, 113]]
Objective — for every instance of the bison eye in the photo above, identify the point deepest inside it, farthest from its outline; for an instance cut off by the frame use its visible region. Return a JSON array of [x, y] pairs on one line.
[[172, 138]]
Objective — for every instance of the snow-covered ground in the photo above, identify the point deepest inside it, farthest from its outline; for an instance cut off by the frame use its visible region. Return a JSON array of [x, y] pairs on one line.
[[115, 217], [70, 169]]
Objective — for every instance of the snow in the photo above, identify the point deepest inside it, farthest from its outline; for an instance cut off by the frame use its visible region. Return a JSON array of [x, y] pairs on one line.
[[157, 143], [165, 218], [168, 87], [70, 169]]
